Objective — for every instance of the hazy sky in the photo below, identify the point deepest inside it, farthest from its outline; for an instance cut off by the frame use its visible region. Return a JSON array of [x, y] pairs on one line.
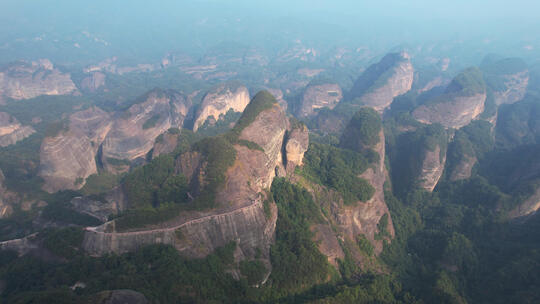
[[152, 27]]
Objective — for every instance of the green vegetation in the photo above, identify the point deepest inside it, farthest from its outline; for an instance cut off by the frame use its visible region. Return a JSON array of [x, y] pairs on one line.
[[63, 242], [382, 228], [156, 193], [159, 272], [137, 218], [362, 132], [504, 66], [219, 155], [151, 122], [222, 125], [468, 82], [250, 145], [408, 152], [59, 210], [338, 169], [145, 184], [54, 128], [118, 162], [297, 262], [262, 101], [254, 271], [100, 183], [364, 244]]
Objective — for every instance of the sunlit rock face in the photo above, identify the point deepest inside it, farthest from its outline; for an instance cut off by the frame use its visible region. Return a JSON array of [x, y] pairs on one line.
[[134, 131], [239, 214], [463, 101], [68, 158], [219, 101], [318, 96], [24, 80], [11, 130], [381, 82]]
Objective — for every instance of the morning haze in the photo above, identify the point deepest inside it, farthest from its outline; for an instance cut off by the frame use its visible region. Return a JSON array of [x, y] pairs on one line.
[[279, 151]]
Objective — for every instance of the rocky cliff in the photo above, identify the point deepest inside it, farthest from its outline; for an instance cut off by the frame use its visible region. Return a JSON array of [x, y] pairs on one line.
[[346, 224], [68, 158], [432, 168], [528, 207], [462, 102], [133, 132], [508, 78], [11, 131], [381, 82], [93, 82], [239, 215], [317, 96], [463, 169], [23, 80], [418, 158], [219, 101]]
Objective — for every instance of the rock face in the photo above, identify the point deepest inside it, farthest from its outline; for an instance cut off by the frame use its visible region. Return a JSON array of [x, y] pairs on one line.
[[68, 158], [278, 94], [11, 131], [239, 214], [219, 102], [381, 82], [7, 199], [432, 168], [113, 203], [508, 78], [319, 96], [93, 82], [348, 222], [165, 143], [463, 169], [133, 133], [528, 207], [454, 113], [462, 102], [297, 144], [514, 89], [23, 80], [365, 216]]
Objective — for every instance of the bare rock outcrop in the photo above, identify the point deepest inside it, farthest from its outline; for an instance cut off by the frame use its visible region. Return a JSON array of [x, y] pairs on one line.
[[462, 102], [463, 169], [7, 199], [11, 130], [296, 145], [93, 82], [432, 168], [133, 133], [318, 96], [381, 82], [219, 101], [345, 224], [239, 214], [528, 207], [23, 80], [507, 77], [165, 143], [454, 112], [113, 203], [66, 160]]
